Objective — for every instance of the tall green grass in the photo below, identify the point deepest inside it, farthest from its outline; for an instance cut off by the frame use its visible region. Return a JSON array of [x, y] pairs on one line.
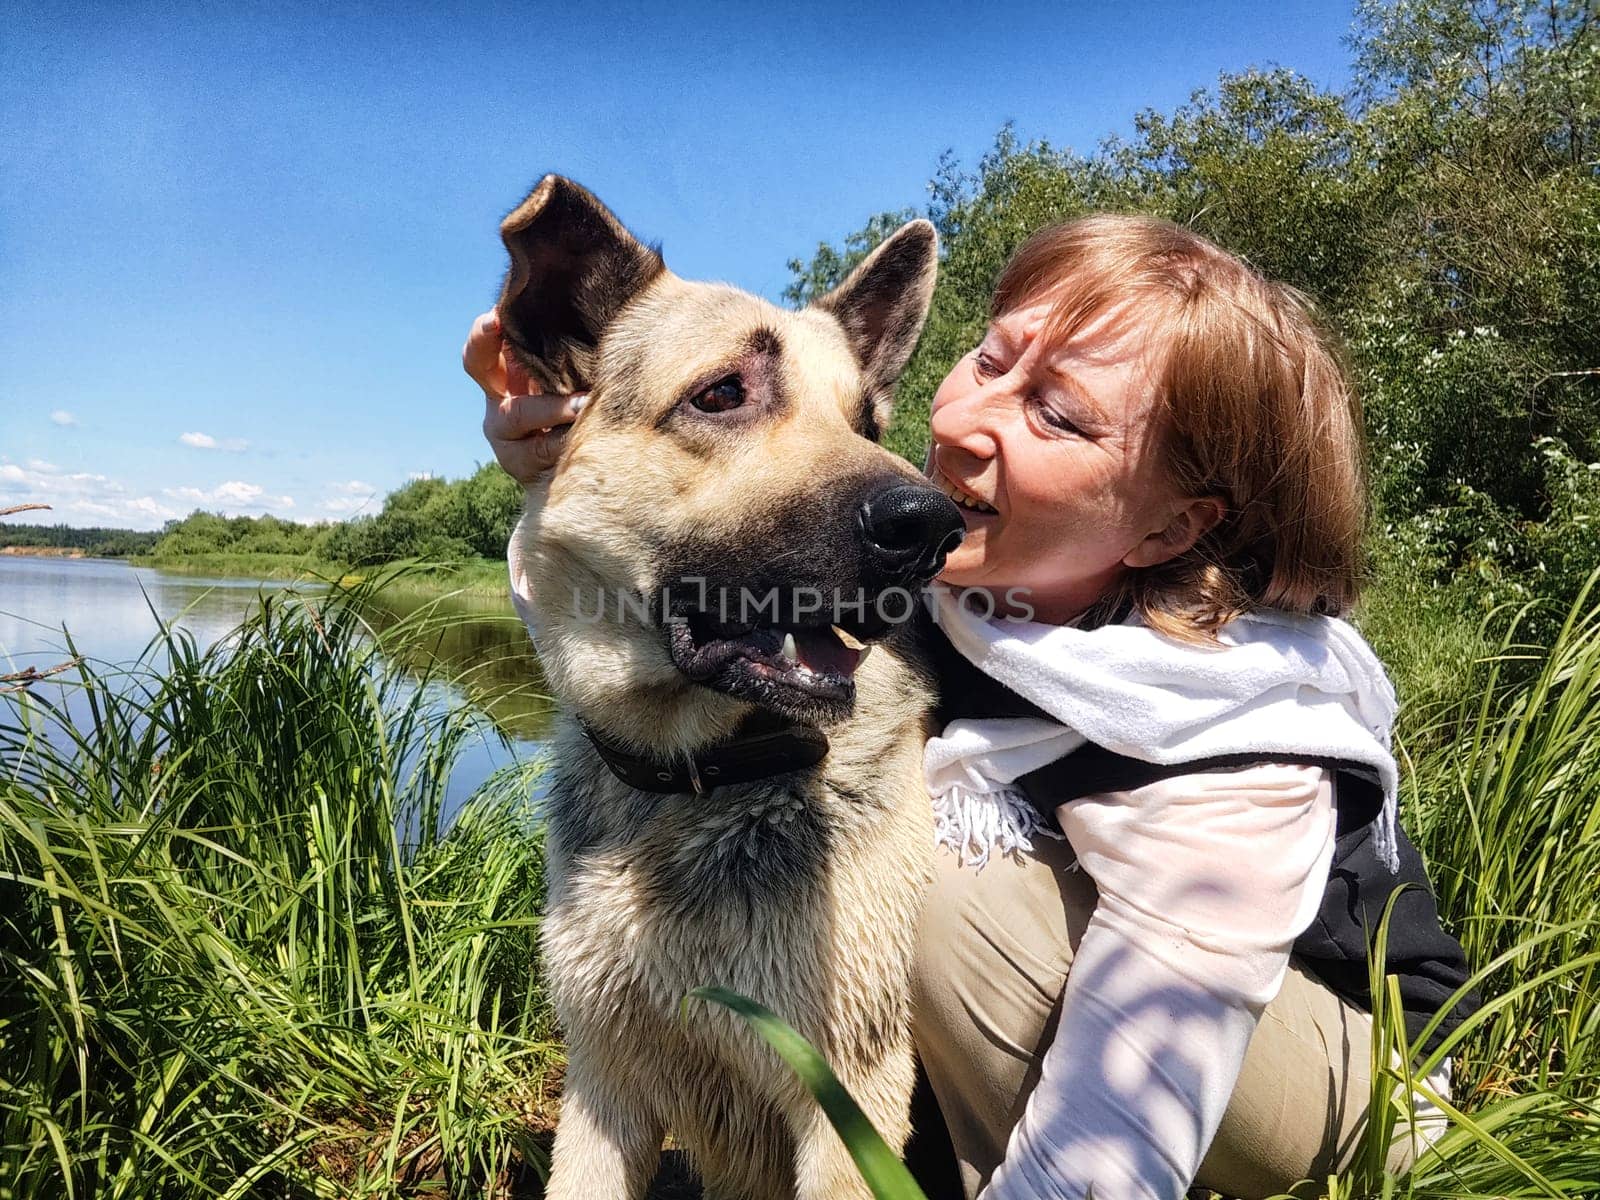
[[1504, 803], [222, 972]]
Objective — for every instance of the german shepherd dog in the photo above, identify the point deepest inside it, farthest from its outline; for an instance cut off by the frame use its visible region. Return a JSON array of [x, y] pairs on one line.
[[737, 795]]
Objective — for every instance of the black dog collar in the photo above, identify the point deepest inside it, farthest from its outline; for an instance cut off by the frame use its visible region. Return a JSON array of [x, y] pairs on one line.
[[741, 759]]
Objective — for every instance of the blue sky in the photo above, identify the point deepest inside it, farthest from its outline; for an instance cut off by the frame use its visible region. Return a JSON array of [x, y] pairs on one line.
[[240, 246]]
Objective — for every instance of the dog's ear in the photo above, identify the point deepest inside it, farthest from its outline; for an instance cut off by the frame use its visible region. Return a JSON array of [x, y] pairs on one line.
[[883, 304], [573, 267]]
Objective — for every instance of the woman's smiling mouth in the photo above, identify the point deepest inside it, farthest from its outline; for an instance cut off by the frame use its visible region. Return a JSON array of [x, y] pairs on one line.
[[961, 496]]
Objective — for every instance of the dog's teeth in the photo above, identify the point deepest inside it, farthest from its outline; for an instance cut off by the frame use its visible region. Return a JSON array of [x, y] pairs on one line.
[[850, 641], [788, 650]]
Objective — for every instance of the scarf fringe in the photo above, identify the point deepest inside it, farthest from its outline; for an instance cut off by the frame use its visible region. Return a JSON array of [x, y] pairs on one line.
[[977, 824]]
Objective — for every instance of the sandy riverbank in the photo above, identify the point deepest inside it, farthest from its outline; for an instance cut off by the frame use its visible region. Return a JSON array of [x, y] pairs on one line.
[[43, 552]]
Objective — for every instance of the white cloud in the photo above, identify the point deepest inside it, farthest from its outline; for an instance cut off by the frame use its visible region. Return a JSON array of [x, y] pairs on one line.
[[233, 497], [138, 510], [236, 491], [204, 441], [78, 498], [62, 417], [88, 498], [349, 496]]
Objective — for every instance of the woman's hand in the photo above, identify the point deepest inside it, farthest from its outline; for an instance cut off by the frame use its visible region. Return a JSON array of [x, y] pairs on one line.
[[525, 428]]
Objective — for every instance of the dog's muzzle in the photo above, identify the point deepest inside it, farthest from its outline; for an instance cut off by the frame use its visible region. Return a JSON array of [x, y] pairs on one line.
[[848, 578]]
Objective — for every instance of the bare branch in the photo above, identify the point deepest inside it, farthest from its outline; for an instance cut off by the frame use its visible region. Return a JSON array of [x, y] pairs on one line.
[[16, 508], [21, 680]]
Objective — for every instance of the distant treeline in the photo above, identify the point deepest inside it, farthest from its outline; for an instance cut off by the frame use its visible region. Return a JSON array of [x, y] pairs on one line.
[[102, 543], [435, 519]]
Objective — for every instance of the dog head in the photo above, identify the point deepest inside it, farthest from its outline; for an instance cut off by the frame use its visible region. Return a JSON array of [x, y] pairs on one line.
[[722, 529]]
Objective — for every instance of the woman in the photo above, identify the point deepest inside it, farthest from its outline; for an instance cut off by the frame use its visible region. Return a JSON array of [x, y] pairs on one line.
[[1165, 788]]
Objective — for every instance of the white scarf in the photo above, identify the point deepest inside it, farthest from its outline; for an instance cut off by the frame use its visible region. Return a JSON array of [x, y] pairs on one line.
[[1277, 684]]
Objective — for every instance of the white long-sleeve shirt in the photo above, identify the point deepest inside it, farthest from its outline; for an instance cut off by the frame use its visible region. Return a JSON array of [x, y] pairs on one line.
[[1204, 882]]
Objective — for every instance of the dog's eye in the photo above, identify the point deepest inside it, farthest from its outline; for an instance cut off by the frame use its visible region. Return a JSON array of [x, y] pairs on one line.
[[721, 396]]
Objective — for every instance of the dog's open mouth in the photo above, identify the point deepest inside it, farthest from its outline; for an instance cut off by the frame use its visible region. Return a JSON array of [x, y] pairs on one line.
[[763, 662]]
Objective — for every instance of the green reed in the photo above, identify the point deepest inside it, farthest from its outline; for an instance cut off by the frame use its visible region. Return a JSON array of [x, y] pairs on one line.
[[238, 956], [1504, 804]]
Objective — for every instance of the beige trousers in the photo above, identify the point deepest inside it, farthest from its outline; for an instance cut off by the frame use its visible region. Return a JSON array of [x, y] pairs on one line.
[[995, 948]]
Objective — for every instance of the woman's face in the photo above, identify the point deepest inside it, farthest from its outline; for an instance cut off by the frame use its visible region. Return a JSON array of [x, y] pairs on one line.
[[1057, 445]]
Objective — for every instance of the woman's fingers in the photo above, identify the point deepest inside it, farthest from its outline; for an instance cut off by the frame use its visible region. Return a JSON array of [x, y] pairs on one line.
[[515, 375], [481, 356], [527, 432], [526, 459], [513, 417]]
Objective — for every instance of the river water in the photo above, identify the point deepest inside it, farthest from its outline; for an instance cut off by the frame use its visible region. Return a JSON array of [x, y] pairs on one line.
[[110, 609]]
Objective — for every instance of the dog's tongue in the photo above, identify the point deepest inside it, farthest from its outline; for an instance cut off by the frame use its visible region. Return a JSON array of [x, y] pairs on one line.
[[823, 652]]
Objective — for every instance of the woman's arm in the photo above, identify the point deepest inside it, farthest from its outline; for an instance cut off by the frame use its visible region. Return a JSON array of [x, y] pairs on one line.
[[1204, 882]]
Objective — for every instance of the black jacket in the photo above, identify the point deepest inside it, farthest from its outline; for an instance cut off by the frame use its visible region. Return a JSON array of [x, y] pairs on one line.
[[1429, 962]]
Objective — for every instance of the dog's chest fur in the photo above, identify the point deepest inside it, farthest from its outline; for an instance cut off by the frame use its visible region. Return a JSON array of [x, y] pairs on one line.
[[800, 892], [757, 888]]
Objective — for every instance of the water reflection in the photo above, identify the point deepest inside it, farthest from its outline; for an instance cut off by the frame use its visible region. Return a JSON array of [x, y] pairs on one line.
[[483, 648], [108, 607]]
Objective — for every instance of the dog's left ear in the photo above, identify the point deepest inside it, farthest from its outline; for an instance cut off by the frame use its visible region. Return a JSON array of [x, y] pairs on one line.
[[883, 304]]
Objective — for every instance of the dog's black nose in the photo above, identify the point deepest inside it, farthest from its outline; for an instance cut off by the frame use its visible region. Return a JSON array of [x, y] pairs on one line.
[[908, 529]]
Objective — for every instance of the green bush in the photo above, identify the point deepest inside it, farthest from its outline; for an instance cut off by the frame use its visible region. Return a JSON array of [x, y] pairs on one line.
[[433, 519]]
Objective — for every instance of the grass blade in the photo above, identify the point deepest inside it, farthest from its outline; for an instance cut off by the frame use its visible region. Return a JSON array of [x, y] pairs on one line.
[[882, 1169]]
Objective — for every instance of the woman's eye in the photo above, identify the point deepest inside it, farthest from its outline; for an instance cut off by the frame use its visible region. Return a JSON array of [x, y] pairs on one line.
[[1055, 419], [987, 367], [722, 396]]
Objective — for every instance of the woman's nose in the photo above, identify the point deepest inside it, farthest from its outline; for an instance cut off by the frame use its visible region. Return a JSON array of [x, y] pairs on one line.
[[969, 422]]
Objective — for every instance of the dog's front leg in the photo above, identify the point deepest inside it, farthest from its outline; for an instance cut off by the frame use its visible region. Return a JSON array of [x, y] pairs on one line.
[[607, 1147], [824, 1169]]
